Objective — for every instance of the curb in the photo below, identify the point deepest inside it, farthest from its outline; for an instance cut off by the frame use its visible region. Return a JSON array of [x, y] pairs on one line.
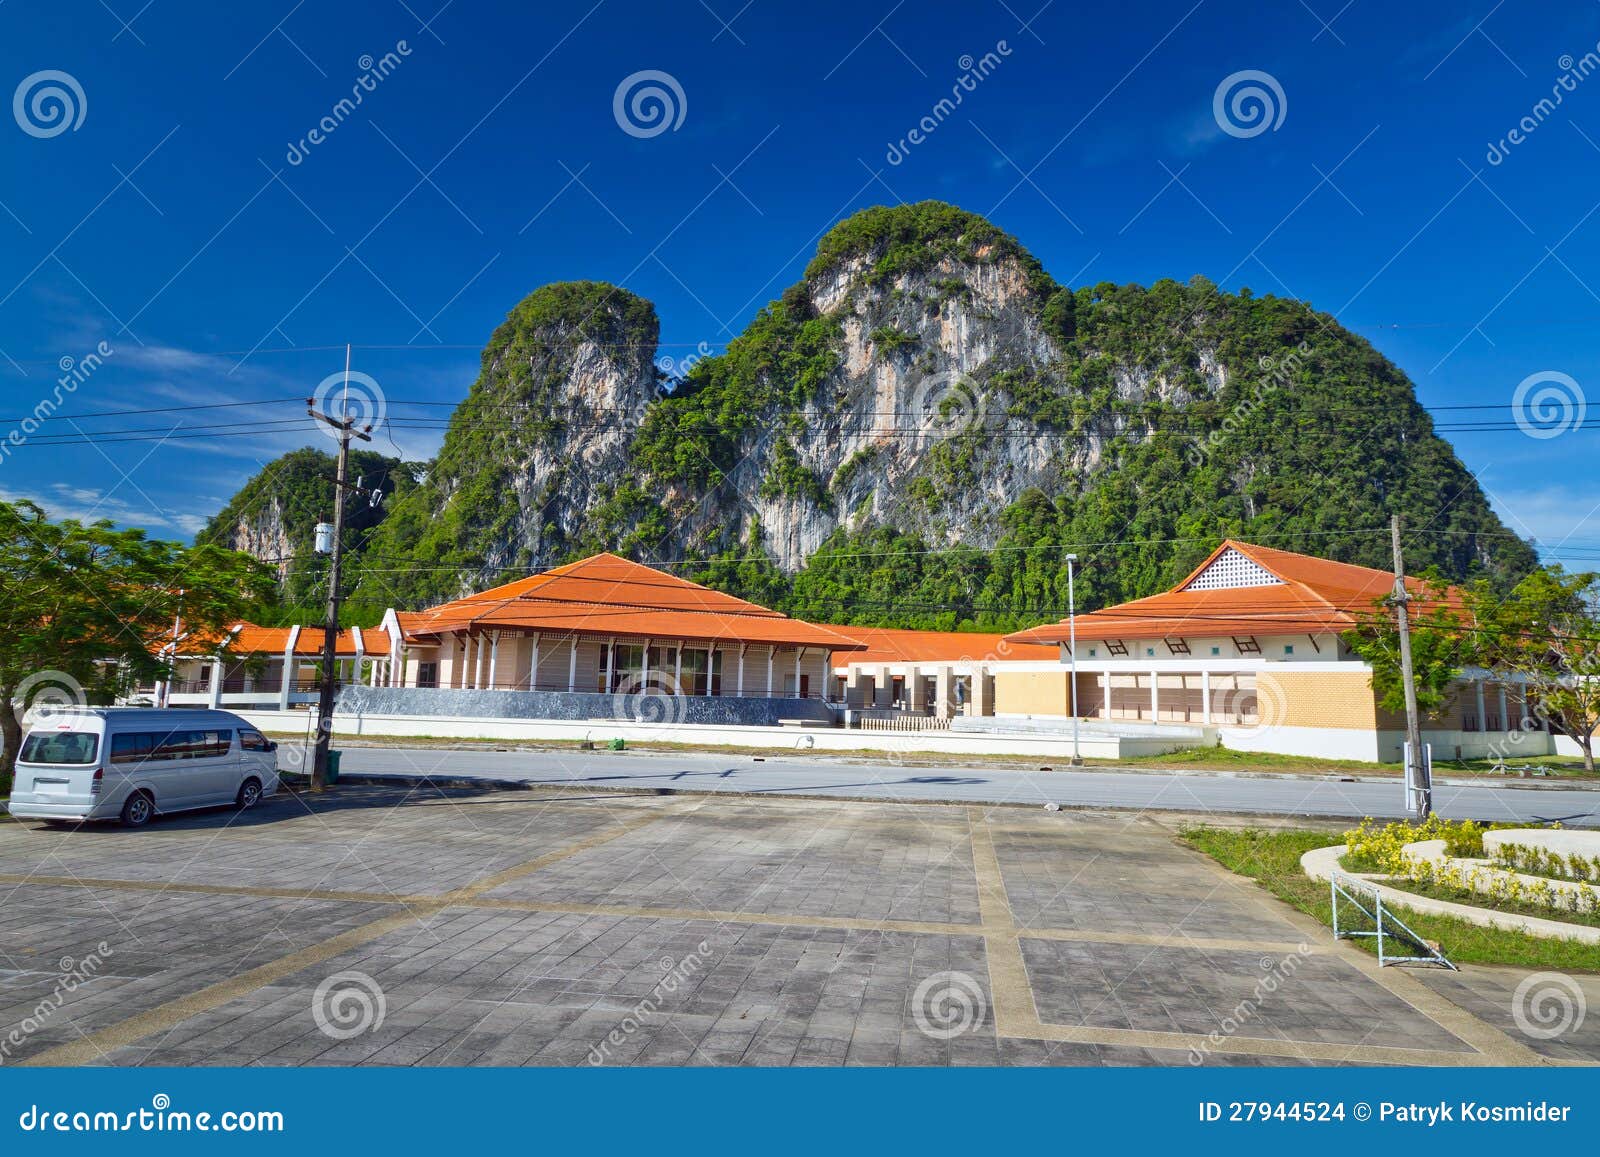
[[1321, 863], [295, 781], [856, 759]]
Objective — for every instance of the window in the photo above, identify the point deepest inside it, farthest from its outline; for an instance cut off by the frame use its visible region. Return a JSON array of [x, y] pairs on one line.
[[133, 747], [61, 747], [1150, 652], [1288, 648], [428, 674], [252, 740], [1093, 652], [205, 743], [1216, 650]]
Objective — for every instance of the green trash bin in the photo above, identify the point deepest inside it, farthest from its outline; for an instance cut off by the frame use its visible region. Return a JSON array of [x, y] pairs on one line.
[[333, 767]]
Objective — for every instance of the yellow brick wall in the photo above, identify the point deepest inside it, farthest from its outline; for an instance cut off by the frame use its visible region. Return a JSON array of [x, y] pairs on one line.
[[1030, 693], [1310, 699]]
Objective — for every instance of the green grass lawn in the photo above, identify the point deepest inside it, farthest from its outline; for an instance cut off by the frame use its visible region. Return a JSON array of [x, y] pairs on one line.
[[1272, 859]]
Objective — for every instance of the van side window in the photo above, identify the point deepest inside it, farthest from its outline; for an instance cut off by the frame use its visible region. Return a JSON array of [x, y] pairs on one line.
[[252, 740], [197, 744], [132, 747]]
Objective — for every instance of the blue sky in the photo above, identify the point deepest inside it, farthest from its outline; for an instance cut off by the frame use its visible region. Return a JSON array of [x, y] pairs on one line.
[[171, 223]]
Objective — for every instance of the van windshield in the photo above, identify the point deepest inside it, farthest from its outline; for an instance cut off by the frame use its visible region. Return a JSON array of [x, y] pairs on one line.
[[61, 747]]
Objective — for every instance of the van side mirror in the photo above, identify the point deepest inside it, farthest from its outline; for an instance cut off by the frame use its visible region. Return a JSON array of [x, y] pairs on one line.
[[272, 745]]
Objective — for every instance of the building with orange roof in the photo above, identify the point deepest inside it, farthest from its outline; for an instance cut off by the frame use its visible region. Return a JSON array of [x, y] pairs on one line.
[[939, 674], [253, 666], [1252, 644], [612, 627]]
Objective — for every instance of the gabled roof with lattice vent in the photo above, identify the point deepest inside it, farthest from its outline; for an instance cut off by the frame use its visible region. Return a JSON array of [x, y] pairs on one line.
[[1242, 590]]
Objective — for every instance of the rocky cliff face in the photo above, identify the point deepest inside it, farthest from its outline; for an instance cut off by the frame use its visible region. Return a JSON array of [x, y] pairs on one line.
[[928, 381]]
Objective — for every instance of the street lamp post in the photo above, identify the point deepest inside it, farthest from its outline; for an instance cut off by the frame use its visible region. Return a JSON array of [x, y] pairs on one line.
[[1072, 653]]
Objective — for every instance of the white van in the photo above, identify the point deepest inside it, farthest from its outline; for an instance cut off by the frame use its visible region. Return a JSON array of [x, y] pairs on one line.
[[128, 763]]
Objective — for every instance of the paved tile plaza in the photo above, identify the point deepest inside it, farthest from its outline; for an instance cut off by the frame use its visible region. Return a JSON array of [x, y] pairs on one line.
[[381, 926]]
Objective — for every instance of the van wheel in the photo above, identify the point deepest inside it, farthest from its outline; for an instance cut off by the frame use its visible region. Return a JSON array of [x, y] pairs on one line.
[[249, 793], [139, 810]]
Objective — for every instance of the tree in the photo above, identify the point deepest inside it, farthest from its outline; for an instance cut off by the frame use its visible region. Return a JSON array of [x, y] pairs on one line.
[[1548, 631], [85, 609], [1440, 647]]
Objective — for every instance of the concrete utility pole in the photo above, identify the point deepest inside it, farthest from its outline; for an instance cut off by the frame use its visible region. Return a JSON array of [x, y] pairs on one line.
[[1072, 650], [1416, 772], [330, 628]]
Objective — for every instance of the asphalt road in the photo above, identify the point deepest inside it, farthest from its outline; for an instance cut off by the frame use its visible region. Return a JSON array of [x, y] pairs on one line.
[[849, 779]]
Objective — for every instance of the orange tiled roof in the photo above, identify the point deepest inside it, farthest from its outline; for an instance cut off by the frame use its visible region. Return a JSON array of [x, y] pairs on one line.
[[609, 595], [893, 645], [250, 639], [1313, 596]]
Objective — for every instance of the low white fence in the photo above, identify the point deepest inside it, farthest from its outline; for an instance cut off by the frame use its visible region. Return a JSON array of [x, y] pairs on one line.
[[900, 721]]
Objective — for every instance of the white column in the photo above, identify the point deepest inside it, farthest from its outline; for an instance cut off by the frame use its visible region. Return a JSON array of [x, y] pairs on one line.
[[494, 655], [1483, 720], [1205, 697], [216, 683], [677, 668], [1105, 695], [533, 667], [799, 654], [1505, 723], [572, 666], [611, 663], [287, 682], [942, 679], [1155, 696], [711, 659], [644, 666], [742, 648], [771, 652]]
